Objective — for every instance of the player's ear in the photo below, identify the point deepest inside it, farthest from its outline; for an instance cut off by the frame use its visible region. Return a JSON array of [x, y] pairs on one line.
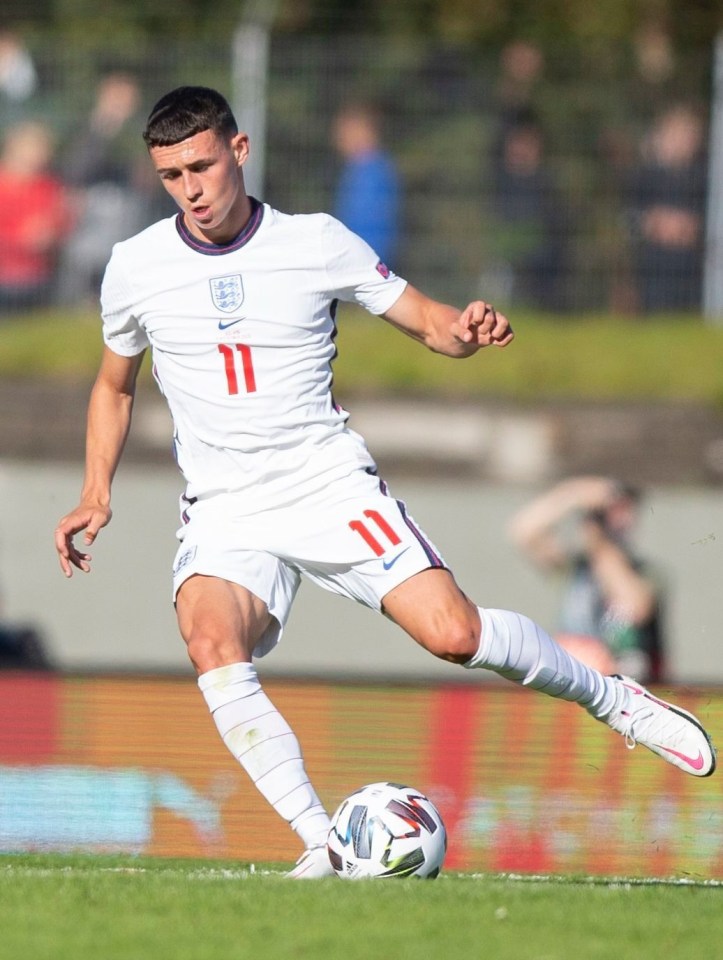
[[240, 147]]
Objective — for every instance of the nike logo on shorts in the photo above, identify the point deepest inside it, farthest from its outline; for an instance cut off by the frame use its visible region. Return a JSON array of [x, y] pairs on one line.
[[388, 564]]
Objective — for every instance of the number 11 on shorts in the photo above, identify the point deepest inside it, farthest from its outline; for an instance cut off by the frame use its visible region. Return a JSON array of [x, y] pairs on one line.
[[358, 526]]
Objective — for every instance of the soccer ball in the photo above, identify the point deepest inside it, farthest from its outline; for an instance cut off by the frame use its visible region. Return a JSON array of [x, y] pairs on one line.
[[387, 830]]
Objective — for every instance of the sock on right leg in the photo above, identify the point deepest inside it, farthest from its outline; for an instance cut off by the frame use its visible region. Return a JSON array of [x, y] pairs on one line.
[[515, 647]]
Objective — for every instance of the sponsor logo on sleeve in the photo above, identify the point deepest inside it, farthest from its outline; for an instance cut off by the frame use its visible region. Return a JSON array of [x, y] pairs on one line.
[[383, 270]]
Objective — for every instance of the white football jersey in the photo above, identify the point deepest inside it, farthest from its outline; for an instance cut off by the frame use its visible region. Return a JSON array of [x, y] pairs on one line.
[[242, 339]]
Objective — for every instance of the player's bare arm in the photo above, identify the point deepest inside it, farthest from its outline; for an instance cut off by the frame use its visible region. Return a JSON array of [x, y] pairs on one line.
[[447, 330], [109, 417]]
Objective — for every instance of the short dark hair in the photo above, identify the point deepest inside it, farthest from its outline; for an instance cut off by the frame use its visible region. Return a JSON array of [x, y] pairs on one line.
[[186, 111]]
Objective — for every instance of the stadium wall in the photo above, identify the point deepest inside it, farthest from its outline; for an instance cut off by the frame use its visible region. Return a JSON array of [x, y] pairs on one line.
[[525, 784], [120, 617]]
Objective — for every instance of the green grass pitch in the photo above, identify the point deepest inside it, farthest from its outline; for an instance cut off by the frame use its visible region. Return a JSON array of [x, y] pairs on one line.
[[121, 908]]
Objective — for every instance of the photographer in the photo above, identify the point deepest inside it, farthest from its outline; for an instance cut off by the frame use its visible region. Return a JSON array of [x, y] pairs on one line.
[[610, 613]]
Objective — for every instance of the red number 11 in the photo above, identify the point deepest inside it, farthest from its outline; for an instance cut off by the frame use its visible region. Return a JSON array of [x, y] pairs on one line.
[[247, 367], [358, 526]]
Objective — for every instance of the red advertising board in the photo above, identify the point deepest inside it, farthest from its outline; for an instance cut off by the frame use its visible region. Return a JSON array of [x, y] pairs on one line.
[[525, 784]]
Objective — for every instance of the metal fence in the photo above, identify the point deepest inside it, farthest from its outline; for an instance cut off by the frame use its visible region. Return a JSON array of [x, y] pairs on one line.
[[530, 177]]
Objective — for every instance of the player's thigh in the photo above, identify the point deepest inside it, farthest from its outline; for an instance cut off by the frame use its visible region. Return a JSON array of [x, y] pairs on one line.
[[240, 597], [433, 610], [221, 622]]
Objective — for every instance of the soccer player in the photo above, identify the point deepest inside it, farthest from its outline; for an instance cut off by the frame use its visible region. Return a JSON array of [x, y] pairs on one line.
[[237, 303]]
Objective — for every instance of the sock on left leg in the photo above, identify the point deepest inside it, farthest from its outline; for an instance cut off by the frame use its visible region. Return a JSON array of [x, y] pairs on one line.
[[265, 746]]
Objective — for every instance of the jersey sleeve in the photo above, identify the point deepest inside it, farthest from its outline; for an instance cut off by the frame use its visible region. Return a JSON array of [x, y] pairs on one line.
[[355, 272], [122, 331]]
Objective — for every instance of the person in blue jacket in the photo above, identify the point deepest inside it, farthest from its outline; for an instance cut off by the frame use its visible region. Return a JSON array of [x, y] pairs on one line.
[[367, 193]]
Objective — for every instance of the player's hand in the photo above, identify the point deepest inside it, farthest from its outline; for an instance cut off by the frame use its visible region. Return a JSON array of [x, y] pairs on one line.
[[481, 325], [90, 518]]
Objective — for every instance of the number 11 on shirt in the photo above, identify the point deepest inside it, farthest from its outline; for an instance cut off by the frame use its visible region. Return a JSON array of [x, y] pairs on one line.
[[230, 365]]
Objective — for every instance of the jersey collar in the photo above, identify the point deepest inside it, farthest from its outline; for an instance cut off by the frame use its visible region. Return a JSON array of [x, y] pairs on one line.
[[218, 249]]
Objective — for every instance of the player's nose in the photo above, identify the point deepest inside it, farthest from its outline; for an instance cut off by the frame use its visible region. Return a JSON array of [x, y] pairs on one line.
[[191, 186]]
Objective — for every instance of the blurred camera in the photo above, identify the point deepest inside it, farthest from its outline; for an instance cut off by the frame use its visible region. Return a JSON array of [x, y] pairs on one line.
[[596, 516]]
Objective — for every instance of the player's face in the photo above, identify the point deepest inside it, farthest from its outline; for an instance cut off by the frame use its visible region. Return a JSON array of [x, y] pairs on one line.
[[203, 175]]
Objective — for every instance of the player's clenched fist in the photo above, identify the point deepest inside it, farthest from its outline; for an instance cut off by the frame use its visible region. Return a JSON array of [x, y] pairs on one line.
[[480, 324]]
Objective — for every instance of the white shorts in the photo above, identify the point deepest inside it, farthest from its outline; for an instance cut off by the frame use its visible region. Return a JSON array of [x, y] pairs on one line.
[[355, 540]]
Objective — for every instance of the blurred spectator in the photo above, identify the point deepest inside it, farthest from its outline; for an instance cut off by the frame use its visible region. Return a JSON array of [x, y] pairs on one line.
[[610, 616], [367, 196], [654, 53], [528, 229], [521, 67], [35, 217], [22, 647], [18, 78], [657, 79], [101, 163], [666, 202]]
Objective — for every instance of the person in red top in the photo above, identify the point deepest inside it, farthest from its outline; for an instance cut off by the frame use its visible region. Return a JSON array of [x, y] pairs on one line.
[[35, 217]]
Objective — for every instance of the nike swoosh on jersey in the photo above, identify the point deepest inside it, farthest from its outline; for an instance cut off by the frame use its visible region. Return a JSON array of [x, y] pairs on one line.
[[388, 564], [225, 326]]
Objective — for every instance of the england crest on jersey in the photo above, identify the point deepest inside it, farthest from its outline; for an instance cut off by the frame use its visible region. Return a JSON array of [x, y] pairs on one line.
[[227, 293]]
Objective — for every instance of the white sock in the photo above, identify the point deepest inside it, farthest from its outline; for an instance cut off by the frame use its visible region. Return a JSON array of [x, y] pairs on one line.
[[265, 746], [516, 648]]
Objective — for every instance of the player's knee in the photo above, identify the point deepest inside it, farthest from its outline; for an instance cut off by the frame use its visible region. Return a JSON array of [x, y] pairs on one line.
[[456, 640], [462, 643], [207, 651]]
